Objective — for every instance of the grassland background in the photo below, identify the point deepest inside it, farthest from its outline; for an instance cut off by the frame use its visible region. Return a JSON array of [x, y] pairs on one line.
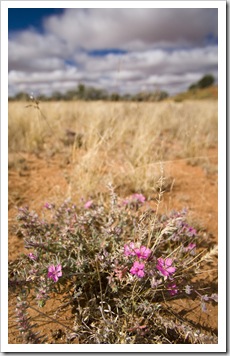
[[120, 143]]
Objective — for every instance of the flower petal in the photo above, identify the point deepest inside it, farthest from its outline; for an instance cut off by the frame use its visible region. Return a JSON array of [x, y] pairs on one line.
[[140, 273], [58, 268], [160, 261], [168, 262], [51, 268], [171, 269]]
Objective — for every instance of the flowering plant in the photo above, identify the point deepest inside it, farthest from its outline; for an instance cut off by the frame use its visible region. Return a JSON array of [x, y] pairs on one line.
[[122, 267]]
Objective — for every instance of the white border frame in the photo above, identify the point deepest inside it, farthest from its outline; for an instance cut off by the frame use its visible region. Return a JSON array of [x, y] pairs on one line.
[[221, 346]]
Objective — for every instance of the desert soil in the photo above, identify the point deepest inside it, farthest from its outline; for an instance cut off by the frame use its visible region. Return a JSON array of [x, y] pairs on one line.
[[35, 180]]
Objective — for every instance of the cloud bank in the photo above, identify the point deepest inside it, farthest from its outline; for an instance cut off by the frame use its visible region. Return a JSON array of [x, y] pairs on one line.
[[122, 50]]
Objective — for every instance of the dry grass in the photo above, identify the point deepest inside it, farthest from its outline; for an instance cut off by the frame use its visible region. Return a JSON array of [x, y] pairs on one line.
[[121, 143], [209, 93]]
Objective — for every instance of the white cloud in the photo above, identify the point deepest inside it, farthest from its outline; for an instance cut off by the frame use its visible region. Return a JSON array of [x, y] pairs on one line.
[[27, 49], [132, 28], [164, 47]]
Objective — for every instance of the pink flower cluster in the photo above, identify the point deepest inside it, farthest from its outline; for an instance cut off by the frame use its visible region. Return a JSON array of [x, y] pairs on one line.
[[164, 266], [135, 199], [140, 198], [142, 253]]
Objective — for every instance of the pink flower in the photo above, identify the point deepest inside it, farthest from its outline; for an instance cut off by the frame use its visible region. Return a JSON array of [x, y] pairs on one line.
[[54, 272], [129, 249], [191, 231], [143, 252], [190, 247], [172, 289], [88, 204], [32, 256], [48, 206], [41, 295], [165, 266], [138, 197], [138, 269]]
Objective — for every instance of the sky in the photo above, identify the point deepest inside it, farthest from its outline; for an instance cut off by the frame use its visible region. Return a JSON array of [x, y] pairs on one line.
[[119, 50]]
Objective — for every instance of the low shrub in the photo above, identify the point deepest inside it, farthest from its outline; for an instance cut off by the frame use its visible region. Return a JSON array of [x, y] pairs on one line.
[[123, 266]]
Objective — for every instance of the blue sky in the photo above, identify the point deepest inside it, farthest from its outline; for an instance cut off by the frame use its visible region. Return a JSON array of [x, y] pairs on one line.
[[21, 19], [122, 50]]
